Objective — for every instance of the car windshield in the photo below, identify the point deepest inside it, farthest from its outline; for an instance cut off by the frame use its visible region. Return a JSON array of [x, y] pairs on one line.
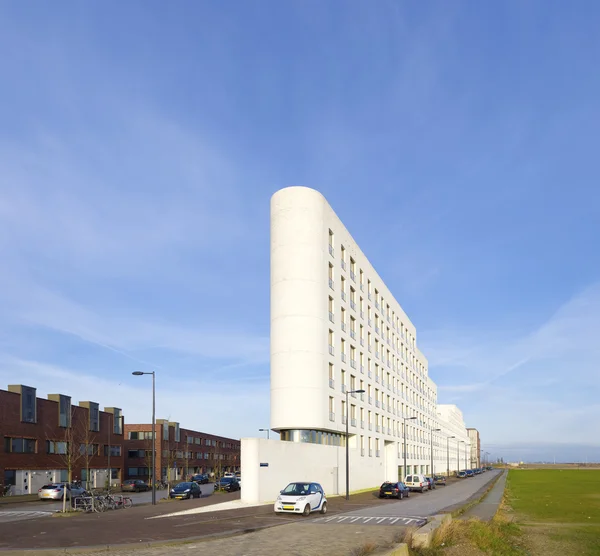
[[296, 489], [386, 484], [184, 486], [51, 486], [227, 480]]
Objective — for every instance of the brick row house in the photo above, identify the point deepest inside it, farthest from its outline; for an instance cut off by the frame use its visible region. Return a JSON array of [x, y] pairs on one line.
[[53, 440], [180, 453]]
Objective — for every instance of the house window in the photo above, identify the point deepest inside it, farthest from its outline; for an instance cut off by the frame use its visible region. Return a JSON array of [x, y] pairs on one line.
[[28, 405], [117, 421], [94, 412], [64, 411], [56, 447], [19, 445], [177, 433], [136, 453], [114, 450]]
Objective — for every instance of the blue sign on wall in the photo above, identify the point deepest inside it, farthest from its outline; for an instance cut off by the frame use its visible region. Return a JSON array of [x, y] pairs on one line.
[[264, 465]]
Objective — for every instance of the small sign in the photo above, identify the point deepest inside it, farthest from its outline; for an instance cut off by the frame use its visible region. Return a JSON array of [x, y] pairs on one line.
[[264, 465]]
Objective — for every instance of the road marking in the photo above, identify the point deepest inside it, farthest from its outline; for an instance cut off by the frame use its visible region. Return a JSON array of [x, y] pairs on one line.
[[9, 515], [370, 520]]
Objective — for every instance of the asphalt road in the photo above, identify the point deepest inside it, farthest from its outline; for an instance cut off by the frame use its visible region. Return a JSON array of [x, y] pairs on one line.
[[433, 501]]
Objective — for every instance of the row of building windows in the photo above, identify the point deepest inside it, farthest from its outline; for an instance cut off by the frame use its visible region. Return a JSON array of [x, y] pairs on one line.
[[147, 435], [180, 455], [58, 447], [379, 397]]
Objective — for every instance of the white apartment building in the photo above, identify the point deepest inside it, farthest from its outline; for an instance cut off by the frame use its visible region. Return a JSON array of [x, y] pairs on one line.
[[335, 329], [475, 460], [456, 446]]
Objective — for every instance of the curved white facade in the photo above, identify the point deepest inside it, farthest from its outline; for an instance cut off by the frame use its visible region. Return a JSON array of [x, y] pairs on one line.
[[335, 326]]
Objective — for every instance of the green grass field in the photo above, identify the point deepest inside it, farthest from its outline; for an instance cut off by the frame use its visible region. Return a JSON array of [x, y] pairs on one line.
[[561, 508], [563, 496]]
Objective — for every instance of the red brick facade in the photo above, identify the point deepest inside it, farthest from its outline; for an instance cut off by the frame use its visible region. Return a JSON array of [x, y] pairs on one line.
[[33, 454], [205, 453]]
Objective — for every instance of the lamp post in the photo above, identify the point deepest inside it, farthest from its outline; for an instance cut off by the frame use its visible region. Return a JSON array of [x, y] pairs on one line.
[[448, 455], [404, 419], [432, 431], [140, 373], [109, 470], [347, 447], [265, 430]]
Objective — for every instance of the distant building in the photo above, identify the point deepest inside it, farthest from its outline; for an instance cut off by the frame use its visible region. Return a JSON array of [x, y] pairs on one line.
[[179, 452], [40, 436], [475, 448], [457, 447]]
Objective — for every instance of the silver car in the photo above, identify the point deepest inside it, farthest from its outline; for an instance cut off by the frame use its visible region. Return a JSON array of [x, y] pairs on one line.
[[54, 491]]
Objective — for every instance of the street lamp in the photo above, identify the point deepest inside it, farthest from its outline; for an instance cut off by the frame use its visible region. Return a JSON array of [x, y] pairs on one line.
[[347, 448], [448, 455], [432, 431], [140, 373], [265, 430], [404, 419]]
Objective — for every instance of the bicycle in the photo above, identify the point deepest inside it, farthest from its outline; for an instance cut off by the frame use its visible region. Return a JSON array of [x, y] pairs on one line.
[[116, 501]]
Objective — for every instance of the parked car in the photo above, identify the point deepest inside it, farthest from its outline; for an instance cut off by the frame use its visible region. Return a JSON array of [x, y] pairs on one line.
[[470, 473], [461, 475], [430, 482], [201, 479], [303, 498], [134, 485], [489, 468], [228, 484], [477, 471], [239, 480], [55, 491], [185, 491], [394, 490], [439, 480], [228, 474], [416, 482]]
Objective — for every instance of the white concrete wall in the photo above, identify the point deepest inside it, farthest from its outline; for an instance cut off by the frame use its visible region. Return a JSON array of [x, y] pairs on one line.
[[291, 461]]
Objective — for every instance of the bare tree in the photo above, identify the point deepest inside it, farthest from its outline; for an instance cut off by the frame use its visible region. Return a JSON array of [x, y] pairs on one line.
[[68, 450], [87, 447], [148, 460]]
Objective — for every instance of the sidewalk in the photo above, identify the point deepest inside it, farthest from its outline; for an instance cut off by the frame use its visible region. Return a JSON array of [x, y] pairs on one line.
[[487, 508]]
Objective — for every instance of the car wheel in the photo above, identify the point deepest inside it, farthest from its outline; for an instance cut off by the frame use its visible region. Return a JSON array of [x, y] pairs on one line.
[[423, 490], [381, 496], [324, 508], [400, 495], [408, 494], [306, 511]]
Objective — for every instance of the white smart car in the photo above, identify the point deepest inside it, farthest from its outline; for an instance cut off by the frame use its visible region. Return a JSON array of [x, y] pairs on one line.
[[302, 498]]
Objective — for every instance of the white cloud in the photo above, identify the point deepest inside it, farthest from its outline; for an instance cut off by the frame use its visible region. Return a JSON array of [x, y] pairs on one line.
[[525, 387]]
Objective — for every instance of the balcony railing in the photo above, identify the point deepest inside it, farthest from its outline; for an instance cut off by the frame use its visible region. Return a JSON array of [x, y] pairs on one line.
[[370, 426], [352, 305], [343, 296], [344, 357], [377, 428], [352, 422], [352, 334], [331, 316], [343, 388], [343, 419], [377, 453], [331, 383], [331, 350], [362, 424], [352, 276], [331, 251], [331, 283], [353, 363], [362, 369], [371, 400], [332, 416], [362, 451], [343, 264], [344, 326]]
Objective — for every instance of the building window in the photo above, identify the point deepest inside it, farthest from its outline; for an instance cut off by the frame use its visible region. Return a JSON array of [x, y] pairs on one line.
[[19, 445], [56, 447], [114, 450], [94, 413], [28, 405], [92, 449], [64, 411], [331, 243], [117, 421], [331, 283]]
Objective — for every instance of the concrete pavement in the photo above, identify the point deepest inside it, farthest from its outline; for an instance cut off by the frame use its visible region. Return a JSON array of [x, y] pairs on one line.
[[487, 508]]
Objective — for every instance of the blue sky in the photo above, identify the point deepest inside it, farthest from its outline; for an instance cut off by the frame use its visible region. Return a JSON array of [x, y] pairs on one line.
[[140, 144]]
